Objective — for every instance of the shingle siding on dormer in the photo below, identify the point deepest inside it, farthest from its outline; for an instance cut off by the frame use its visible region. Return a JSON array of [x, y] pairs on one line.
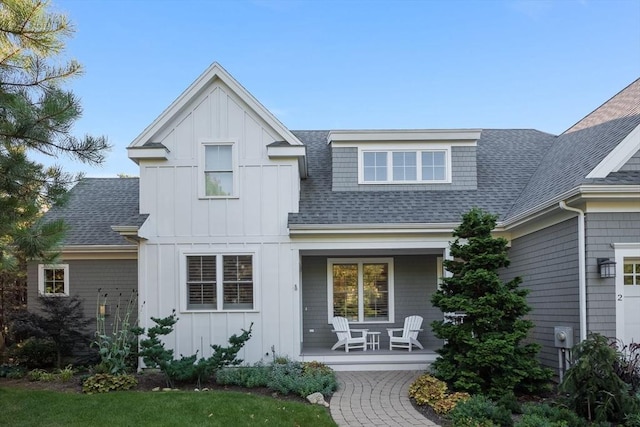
[[633, 164], [345, 172]]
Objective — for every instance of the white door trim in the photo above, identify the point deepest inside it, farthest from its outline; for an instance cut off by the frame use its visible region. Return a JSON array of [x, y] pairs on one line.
[[622, 251]]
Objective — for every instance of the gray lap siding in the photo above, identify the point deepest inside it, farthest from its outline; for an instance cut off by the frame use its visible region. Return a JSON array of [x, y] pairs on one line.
[[603, 229], [415, 280], [113, 277], [547, 262]]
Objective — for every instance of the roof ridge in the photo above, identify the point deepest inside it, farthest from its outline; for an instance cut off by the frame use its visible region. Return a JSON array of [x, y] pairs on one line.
[[600, 107]]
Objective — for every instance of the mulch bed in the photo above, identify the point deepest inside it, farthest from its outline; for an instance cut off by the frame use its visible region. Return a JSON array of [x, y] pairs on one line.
[[430, 414], [147, 381]]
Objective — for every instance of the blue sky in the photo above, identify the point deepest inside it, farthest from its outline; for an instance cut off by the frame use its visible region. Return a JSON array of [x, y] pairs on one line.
[[353, 64]]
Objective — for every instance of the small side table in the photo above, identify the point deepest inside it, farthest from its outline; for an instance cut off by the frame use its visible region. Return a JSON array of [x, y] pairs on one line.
[[373, 340]]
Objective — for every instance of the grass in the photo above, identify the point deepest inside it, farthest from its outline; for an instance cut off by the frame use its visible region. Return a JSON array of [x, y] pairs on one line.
[[20, 407]]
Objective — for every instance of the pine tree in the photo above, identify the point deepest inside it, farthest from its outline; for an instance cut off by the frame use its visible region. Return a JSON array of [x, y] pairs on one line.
[[484, 353], [36, 115]]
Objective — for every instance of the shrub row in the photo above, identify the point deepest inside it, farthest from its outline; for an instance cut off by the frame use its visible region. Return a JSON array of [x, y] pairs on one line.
[[283, 376], [481, 411]]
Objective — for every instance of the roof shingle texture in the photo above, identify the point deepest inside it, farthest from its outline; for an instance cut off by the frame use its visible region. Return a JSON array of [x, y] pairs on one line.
[[518, 170], [506, 159], [581, 148], [94, 205]]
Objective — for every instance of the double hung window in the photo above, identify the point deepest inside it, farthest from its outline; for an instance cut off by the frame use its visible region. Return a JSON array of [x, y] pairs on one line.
[[219, 282], [218, 171]]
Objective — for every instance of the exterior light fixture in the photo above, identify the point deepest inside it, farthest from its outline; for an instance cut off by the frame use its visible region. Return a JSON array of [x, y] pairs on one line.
[[103, 310], [607, 268]]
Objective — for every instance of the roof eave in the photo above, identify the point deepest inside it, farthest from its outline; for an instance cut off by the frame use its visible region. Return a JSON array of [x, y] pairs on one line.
[[290, 151], [147, 153], [581, 192]]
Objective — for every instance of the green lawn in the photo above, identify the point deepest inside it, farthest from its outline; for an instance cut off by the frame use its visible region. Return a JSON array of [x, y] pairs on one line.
[[20, 407]]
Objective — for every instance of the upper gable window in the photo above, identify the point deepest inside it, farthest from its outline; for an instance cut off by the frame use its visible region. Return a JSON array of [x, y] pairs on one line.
[[404, 166], [218, 170], [53, 280]]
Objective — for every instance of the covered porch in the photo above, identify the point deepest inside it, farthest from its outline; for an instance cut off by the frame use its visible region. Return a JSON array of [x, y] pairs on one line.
[[371, 360], [374, 290]]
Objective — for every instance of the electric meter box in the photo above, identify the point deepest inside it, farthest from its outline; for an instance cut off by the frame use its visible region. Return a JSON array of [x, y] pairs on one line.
[[563, 336]]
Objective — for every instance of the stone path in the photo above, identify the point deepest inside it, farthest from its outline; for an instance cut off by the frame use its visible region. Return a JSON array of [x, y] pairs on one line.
[[377, 398]]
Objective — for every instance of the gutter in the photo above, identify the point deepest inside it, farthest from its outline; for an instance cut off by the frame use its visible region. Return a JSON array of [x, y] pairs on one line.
[[582, 274]]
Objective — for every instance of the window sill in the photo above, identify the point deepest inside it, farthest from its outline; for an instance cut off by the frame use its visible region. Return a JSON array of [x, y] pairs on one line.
[[208, 310], [403, 182], [218, 197]]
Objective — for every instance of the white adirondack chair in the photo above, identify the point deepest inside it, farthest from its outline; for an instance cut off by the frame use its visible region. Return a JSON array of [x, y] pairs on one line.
[[409, 336], [341, 328]]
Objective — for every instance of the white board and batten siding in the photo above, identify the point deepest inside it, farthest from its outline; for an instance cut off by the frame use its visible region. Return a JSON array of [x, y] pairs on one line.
[[254, 222]]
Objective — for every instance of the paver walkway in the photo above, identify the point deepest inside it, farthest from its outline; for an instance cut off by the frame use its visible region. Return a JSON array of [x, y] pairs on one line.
[[377, 398]]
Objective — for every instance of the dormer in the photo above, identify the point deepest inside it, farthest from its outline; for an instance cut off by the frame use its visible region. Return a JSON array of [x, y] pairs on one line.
[[404, 160]]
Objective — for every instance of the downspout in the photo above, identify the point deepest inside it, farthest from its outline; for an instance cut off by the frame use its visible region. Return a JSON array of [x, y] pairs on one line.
[[582, 274]]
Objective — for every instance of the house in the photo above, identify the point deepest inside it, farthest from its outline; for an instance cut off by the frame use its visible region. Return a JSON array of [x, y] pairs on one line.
[[241, 220]]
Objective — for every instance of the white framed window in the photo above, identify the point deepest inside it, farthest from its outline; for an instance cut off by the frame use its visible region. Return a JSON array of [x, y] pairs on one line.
[[218, 170], [405, 166], [631, 272], [218, 282], [360, 289], [53, 279]]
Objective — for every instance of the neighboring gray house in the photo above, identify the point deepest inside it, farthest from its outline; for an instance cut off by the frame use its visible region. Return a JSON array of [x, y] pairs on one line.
[[240, 220], [95, 259]]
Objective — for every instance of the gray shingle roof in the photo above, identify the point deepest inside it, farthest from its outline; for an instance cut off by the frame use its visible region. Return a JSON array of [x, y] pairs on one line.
[[581, 148], [506, 160], [94, 205], [517, 170]]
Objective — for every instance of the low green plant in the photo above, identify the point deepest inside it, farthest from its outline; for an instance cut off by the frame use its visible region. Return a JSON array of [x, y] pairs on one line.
[[478, 410], [316, 381], [594, 390], [510, 402], [245, 376], [628, 365], [66, 374], [41, 375], [632, 420], [12, 371], [542, 414], [34, 353], [428, 390], [283, 376], [187, 368], [116, 347], [103, 383]]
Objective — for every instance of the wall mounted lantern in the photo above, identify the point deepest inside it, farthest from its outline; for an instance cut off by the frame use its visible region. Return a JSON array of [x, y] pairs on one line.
[[103, 310], [606, 268]]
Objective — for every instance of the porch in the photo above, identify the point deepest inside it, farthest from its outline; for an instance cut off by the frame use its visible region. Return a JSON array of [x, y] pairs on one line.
[[375, 290], [371, 360]]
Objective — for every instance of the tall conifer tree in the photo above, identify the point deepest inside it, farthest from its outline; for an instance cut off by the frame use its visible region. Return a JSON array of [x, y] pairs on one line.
[[36, 115], [484, 353]]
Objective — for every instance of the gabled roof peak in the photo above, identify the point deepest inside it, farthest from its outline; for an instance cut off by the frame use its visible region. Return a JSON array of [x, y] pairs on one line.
[[214, 72]]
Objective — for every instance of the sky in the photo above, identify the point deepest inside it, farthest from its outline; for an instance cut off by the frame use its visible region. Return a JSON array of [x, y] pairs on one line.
[[352, 64]]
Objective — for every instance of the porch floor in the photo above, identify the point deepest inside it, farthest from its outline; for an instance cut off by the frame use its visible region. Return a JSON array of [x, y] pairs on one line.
[[370, 360]]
